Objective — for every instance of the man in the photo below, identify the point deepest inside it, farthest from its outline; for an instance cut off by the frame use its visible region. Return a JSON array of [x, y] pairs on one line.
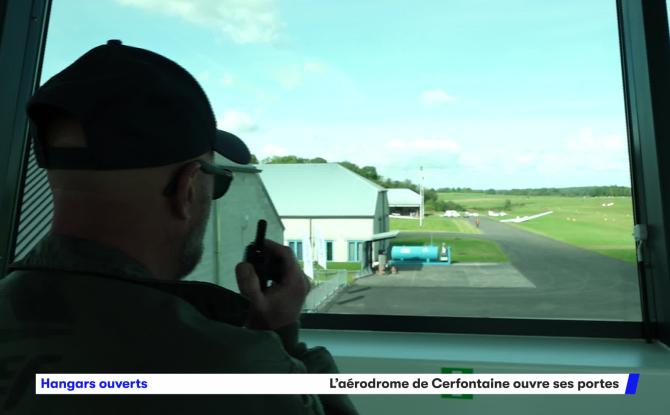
[[128, 138], [382, 262]]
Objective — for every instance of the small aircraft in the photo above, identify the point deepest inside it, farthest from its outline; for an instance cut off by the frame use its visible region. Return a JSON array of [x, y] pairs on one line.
[[494, 213], [526, 218], [451, 214]]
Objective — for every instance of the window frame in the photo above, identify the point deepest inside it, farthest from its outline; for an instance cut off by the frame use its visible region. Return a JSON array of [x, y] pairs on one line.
[[357, 249], [646, 76], [645, 60], [23, 30], [296, 247]]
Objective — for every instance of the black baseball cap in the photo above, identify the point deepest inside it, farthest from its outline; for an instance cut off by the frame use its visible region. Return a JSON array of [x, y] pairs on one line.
[[137, 109]]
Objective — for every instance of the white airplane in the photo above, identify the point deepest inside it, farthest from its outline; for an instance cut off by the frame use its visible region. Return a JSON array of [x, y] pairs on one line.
[[451, 214], [493, 213], [526, 218]]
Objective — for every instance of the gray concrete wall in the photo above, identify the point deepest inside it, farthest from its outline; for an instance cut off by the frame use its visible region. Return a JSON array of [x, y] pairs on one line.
[[232, 226], [381, 222], [382, 212]]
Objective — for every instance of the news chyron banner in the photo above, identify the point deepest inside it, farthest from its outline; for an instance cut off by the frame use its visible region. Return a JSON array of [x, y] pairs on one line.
[[324, 384]]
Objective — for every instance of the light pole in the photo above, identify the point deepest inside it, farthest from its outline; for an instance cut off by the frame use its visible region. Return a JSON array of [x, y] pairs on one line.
[[421, 207]]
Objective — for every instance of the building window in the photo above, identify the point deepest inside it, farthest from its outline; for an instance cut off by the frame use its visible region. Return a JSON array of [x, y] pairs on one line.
[[354, 251], [296, 247], [329, 250]]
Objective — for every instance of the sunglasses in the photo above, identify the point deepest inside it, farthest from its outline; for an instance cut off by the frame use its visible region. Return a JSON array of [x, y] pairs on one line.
[[222, 179]]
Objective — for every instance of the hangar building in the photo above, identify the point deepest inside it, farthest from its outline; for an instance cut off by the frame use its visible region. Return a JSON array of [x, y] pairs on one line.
[[404, 202], [329, 200]]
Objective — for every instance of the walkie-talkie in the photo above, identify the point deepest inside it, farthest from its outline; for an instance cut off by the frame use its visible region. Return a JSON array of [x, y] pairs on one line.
[[267, 268]]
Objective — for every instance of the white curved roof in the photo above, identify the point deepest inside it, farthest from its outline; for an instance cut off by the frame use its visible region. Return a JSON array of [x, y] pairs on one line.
[[403, 198], [322, 189]]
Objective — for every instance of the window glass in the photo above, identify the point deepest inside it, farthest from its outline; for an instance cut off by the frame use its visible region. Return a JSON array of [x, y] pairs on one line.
[[329, 250], [296, 247], [354, 251], [493, 129]]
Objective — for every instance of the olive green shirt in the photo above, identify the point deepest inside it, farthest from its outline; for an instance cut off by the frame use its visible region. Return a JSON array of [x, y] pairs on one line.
[[75, 306]]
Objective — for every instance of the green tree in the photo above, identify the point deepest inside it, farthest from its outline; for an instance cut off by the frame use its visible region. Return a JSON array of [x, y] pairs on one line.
[[430, 195], [351, 166], [508, 204], [283, 160], [370, 172], [443, 205]]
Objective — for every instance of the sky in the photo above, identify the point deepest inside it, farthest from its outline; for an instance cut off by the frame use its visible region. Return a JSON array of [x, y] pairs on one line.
[[481, 94]]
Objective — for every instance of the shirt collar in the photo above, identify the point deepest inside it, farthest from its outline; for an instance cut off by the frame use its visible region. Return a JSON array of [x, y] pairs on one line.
[[68, 254]]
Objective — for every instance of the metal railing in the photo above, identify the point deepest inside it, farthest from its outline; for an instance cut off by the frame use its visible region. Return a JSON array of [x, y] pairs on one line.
[[325, 284]]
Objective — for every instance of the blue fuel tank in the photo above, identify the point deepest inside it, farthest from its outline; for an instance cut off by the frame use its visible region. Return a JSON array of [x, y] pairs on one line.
[[414, 253]]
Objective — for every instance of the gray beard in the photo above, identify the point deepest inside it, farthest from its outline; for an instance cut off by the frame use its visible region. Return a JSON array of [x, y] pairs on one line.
[[192, 248]]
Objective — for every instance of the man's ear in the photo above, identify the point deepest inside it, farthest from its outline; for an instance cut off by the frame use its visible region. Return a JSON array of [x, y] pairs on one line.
[[182, 200]]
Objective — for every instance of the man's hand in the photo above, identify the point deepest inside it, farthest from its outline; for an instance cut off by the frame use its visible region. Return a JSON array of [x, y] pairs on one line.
[[280, 304]]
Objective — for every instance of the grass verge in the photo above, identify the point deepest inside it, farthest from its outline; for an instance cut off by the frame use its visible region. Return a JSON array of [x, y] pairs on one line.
[[599, 224], [432, 224]]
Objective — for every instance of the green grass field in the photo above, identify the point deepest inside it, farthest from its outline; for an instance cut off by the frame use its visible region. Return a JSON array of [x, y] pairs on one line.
[[433, 223], [351, 266], [580, 221], [463, 249]]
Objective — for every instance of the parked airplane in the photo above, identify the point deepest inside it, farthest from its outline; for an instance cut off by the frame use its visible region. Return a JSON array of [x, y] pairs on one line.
[[451, 214], [526, 218], [494, 213]]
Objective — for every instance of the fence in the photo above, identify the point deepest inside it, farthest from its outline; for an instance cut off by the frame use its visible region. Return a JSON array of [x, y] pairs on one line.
[[325, 285]]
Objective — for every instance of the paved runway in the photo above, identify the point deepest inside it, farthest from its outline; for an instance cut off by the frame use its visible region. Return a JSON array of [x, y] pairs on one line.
[[557, 280]]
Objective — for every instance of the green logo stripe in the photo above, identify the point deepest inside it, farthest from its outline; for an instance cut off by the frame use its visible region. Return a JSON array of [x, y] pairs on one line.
[[457, 370]]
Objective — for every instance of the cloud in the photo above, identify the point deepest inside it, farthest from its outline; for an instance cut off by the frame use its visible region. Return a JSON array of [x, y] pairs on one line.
[[525, 158], [227, 79], [423, 144], [598, 152], [571, 157], [586, 158], [289, 77], [586, 141], [407, 155], [265, 96], [476, 160], [292, 76], [203, 76], [313, 66], [435, 97], [243, 21], [237, 122]]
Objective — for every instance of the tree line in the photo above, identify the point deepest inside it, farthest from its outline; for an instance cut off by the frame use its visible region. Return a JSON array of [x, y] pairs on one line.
[[431, 198], [589, 191]]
